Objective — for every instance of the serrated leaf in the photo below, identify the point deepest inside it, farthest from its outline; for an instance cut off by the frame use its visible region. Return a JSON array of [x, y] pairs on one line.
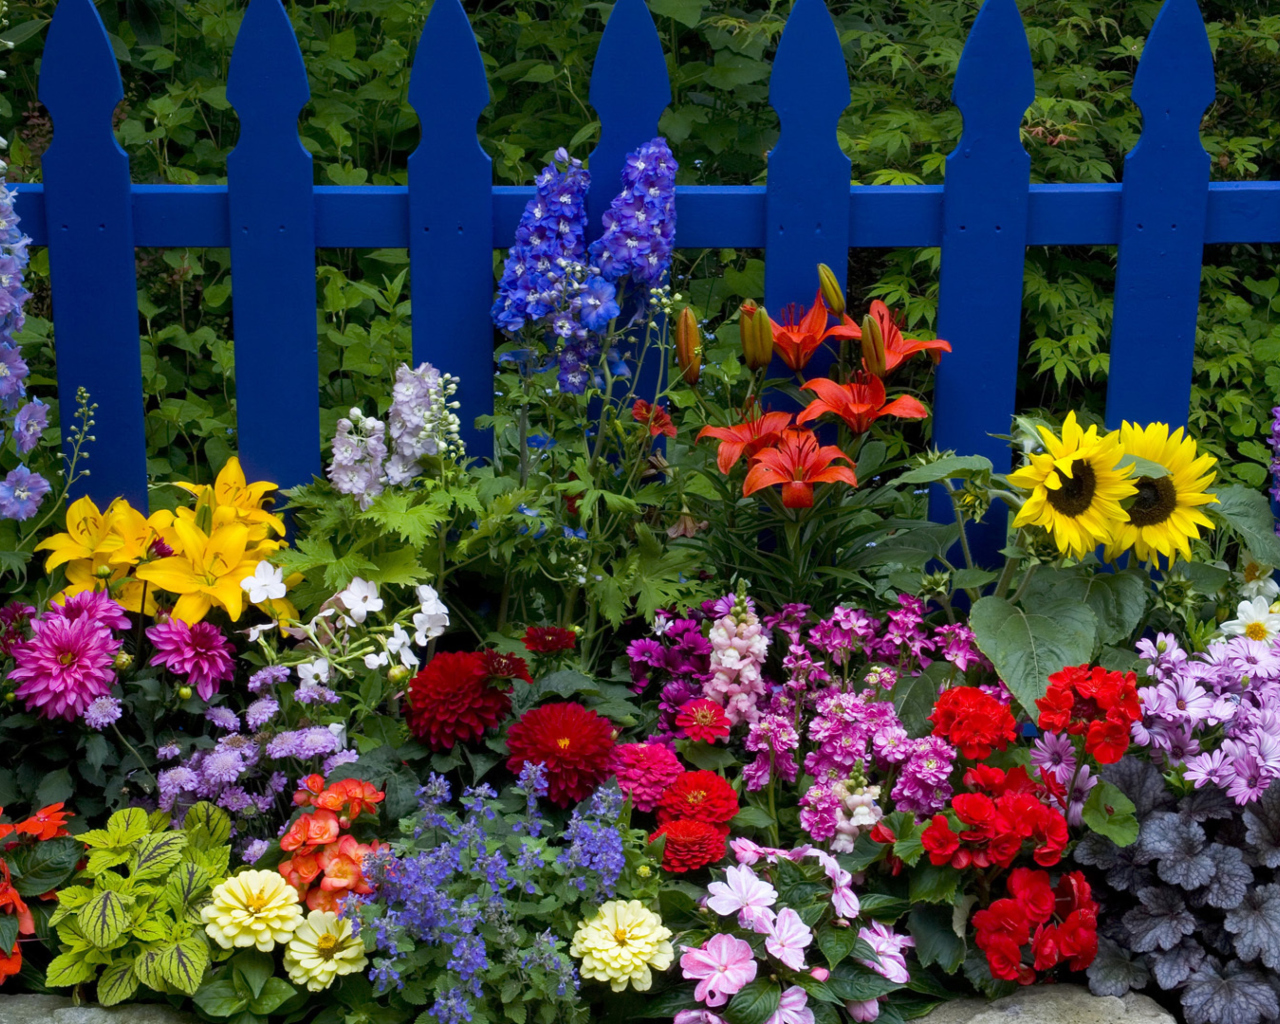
[[118, 983], [415, 524], [147, 967], [101, 860], [8, 932], [69, 969], [856, 983], [157, 854], [183, 964], [104, 918], [933, 884], [207, 825], [187, 882], [152, 927]]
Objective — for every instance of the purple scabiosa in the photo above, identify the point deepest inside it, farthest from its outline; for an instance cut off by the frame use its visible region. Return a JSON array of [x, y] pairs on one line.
[[255, 850], [223, 718], [29, 425], [199, 653], [340, 758], [260, 712], [313, 693], [168, 752], [272, 675], [65, 665], [304, 744], [174, 783], [102, 712], [21, 492]]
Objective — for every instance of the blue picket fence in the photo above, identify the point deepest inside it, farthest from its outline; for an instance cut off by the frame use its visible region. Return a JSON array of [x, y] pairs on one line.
[[451, 218]]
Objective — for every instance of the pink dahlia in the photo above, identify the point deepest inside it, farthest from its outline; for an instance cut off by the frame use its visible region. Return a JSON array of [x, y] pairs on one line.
[[199, 652], [94, 605], [65, 666], [645, 770]]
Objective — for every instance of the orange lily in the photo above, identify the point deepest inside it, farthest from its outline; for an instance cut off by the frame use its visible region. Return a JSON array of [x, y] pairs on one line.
[[797, 463], [800, 334], [897, 349], [746, 438], [859, 404]]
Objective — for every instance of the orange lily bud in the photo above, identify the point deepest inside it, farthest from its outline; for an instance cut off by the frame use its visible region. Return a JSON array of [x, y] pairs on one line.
[[757, 339], [689, 346], [832, 293], [873, 346]]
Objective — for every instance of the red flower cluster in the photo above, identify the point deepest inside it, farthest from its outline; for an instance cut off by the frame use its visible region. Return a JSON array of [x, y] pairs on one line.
[[989, 828], [454, 699], [320, 848], [972, 721], [1065, 920], [549, 639], [575, 745], [654, 417], [694, 816], [690, 844], [704, 720], [1093, 703], [12, 903], [47, 823]]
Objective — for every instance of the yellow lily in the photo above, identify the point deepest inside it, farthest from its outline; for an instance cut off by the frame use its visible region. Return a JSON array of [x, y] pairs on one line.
[[131, 534], [82, 575], [207, 571], [231, 490], [87, 529]]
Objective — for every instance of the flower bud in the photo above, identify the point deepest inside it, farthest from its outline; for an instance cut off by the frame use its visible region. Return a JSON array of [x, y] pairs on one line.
[[397, 674], [820, 973], [184, 693], [757, 336], [123, 660], [10, 697], [873, 346], [832, 294], [103, 572], [689, 346]]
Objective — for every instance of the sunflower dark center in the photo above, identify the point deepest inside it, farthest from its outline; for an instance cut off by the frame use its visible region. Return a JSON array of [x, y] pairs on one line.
[[1076, 493], [1155, 502]]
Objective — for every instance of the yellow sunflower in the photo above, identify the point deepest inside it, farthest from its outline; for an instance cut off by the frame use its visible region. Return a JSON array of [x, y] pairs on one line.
[[1165, 516], [1076, 487]]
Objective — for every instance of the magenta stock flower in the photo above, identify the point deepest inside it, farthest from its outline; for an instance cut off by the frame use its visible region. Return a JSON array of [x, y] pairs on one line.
[[199, 652], [743, 893], [721, 967], [66, 665]]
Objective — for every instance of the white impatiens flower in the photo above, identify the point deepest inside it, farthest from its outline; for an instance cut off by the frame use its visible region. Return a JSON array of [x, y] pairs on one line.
[[360, 598], [1254, 620], [314, 673], [433, 619], [266, 583]]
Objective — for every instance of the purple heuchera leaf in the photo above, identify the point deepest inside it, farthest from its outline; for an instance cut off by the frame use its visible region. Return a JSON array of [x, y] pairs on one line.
[[1096, 851], [1161, 921], [1231, 877], [1202, 804], [1166, 834], [1262, 824], [1175, 966], [1255, 923], [1114, 972], [1235, 997]]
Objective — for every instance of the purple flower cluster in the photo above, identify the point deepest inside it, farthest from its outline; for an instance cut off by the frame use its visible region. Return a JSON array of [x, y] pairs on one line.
[[359, 451], [223, 775], [421, 420], [640, 224], [1231, 690], [1274, 441]]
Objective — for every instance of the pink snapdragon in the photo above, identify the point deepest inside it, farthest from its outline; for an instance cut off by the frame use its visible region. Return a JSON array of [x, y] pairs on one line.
[[722, 966], [744, 894], [739, 644]]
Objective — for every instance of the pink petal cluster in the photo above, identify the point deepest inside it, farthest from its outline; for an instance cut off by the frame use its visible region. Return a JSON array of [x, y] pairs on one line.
[[793, 1008], [68, 662], [739, 644], [199, 652], [888, 945], [645, 771], [722, 966], [787, 938], [744, 894]]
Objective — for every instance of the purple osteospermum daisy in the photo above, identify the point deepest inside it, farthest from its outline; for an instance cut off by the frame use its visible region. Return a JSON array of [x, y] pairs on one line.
[[199, 652], [1054, 753], [65, 666]]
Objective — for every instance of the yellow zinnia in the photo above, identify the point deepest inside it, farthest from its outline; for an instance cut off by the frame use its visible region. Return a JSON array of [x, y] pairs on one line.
[[1164, 517], [253, 908], [1076, 487], [621, 943], [323, 948]]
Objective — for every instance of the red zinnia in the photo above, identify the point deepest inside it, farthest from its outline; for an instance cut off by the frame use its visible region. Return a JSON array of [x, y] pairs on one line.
[[549, 639], [452, 701], [575, 744], [690, 844], [703, 720], [699, 796], [973, 721]]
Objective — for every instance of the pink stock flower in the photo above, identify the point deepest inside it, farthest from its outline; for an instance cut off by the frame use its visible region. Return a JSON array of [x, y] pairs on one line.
[[788, 939], [888, 945], [645, 770], [793, 1008], [66, 665], [742, 893], [722, 966], [199, 652]]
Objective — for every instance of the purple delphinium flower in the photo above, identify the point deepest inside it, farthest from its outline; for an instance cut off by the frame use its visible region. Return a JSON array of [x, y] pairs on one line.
[[359, 451], [21, 493], [420, 421], [102, 712], [29, 425], [640, 224]]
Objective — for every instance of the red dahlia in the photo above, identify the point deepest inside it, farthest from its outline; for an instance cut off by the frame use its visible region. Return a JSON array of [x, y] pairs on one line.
[[699, 796], [972, 721], [549, 639], [690, 844], [506, 666], [453, 701], [703, 720], [575, 744]]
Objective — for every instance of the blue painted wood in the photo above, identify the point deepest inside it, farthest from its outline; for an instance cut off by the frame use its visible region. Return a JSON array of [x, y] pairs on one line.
[[273, 258], [91, 261], [451, 217], [806, 213], [984, 238], [1163, 209], [880, 216]]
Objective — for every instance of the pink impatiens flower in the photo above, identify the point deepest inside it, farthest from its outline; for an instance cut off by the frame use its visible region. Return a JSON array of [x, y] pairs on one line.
[[788, 939], [793, 1008], [888, 945], [744, 894], [199, 652], [722, 966]]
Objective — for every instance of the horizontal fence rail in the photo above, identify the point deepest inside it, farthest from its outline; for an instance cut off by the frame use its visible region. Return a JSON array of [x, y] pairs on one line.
[[451, 217]]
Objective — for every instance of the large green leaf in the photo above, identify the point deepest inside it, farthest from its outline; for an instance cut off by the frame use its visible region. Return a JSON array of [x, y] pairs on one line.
[[274, 994], [1117, 599], [45, 866], [933, 884], [936, 939], [1248, 513], [104, 918], [1110, 813], [206, 825], [945, 467], [118, 983], [219, 998], [836, 943], [1026, 647], [754, 1004], [855, 983]]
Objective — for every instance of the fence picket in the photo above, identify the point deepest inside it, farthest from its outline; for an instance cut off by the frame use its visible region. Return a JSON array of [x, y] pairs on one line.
[[807, 190], [1163, 208], [984, 238], [89, 212], [273, 253], [451, 217]]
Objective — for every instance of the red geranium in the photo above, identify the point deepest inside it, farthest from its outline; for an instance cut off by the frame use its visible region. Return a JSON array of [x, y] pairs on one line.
[[654, 417], [1065, 920], [575, 745], [1093, 703], [452, 700], [690, 844], [972, 721], [699, 796], [703, 720], [549, 639]]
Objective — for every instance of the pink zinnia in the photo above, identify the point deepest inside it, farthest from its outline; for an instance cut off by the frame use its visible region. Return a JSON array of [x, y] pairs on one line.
[[722, 966], [645, 770], [199, 652], [65, 666]]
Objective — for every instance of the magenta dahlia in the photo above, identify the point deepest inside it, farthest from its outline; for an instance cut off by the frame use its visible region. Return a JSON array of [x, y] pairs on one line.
[[65, 666], [645, 770], [199, 652]]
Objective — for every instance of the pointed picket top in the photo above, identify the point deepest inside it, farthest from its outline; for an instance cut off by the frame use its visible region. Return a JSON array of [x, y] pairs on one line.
[[79, 79], [267, 80], [1174, 84], [447, 64], [809, 86], [995, 82], [630, 89]]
